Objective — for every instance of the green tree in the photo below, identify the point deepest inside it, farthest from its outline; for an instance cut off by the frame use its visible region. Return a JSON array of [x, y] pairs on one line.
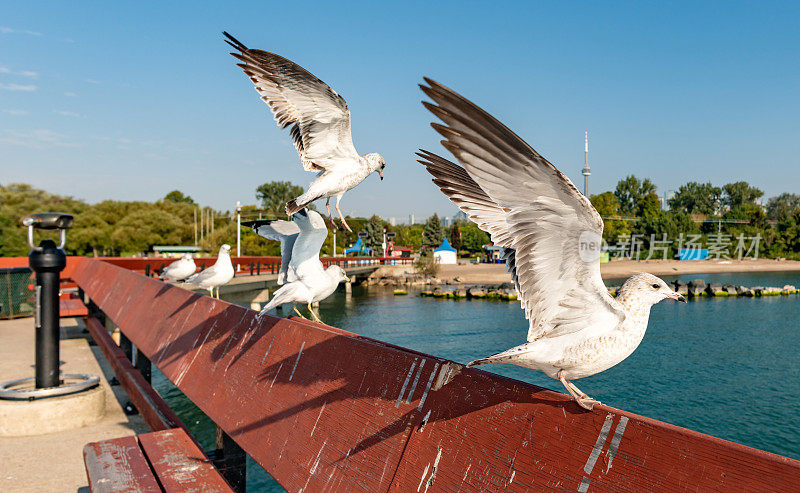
[[783, 206], [90, 233], [473, 238], [608, 206], [696, 198], [275, 194], [433, 233], [141, 230], [656, 224], [455, 236], [740, 194], [178, 196], [635, 196], [374, 239]]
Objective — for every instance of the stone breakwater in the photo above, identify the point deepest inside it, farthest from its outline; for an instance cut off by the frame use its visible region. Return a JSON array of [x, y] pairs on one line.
[[504, 292], [698, 288], [455, 289]]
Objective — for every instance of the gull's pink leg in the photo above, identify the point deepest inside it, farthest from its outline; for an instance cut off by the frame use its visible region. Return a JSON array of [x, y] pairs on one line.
[[583, 400], [344, 223], [330, 216]]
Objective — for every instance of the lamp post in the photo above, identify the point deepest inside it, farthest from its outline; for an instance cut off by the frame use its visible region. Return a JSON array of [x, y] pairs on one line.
[[238, 232]]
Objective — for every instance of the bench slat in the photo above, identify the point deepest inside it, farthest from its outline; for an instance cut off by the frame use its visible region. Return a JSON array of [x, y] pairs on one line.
[[179, 464], [118, 465]]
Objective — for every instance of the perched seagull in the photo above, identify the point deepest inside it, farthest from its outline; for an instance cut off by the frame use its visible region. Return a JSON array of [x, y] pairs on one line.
[[551, 238], [302, 276], [180, 269], [217, 275], [320, 126]]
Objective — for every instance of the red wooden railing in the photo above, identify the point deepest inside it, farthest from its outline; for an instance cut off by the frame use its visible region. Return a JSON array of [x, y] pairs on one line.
[[324, 409], [248, 265]]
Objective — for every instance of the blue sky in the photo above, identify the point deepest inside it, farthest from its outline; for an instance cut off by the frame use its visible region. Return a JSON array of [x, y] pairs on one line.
[[129, 100]]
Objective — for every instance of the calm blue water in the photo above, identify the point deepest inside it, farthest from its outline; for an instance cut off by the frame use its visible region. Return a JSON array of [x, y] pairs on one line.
[[727, 367]]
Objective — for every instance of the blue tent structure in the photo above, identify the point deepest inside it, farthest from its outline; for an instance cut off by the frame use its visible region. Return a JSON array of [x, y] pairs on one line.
[[446, 254], [358, 249], [445, 247]]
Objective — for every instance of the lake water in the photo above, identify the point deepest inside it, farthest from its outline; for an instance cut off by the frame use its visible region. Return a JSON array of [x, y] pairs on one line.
[[728, 367]]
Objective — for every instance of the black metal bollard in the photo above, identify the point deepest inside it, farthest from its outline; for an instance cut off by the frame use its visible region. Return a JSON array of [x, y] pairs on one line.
[[47, 263], [47, 260]]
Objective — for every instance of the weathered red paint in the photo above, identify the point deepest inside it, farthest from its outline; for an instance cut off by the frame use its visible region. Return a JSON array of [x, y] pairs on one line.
[[320, 408], [167, 460], [179, 464], [118, 466], [71, 307], [156, 413]]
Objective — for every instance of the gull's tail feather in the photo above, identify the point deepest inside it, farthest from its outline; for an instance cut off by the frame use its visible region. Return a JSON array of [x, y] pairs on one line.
[[503, 357], [288, 293], [481, 361], [292, 206]]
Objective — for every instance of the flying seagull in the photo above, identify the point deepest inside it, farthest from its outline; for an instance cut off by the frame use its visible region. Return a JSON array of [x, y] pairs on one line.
[[180, 269], [217, 275], [319, 124], [302, 277], [551, 237]]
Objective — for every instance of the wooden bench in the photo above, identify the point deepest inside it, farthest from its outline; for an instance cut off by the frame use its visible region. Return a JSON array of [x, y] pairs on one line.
[[71, 306], [165, 460]]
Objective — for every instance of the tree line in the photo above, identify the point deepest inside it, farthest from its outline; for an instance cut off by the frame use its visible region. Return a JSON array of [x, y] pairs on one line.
[[703, 210], [632, 209]]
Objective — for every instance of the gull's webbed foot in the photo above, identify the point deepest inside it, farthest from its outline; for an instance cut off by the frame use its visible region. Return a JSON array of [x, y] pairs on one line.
[[586, 402]]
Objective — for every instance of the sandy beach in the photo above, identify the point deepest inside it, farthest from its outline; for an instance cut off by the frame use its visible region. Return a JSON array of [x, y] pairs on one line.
[[496, 273]]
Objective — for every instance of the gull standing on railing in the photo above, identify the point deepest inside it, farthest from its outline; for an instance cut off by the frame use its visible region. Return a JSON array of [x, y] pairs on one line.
[[551, 237], [217, 275], [308, 281], [180, 269], [320, 126]]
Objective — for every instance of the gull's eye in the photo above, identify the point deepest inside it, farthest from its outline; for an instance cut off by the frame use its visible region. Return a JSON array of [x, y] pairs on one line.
[[656, 286]]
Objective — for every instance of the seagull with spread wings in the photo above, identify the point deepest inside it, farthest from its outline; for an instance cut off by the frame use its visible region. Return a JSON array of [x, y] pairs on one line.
[[551, 238], [319, 125], [302, 277]]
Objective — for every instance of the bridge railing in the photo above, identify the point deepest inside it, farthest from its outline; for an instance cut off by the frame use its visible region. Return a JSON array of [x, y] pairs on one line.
[[318, 407], [247, 265]]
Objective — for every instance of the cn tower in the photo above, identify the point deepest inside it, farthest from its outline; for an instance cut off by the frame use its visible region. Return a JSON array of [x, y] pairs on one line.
[[586, 171]]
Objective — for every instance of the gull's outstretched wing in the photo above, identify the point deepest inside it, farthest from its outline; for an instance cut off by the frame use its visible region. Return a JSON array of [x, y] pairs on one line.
[[554, 230], [318, 116], [305, 253], [468, 196], [284, 231]]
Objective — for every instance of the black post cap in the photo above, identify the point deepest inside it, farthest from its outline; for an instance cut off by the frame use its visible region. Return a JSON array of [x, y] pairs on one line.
[[48, 220]]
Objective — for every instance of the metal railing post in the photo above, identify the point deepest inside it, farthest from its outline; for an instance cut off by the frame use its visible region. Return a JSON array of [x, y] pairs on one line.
[[143, 365], [126, 345], [232, 461]]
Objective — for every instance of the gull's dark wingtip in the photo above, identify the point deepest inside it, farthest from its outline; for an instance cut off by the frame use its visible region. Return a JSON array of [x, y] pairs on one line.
[[234, 42]]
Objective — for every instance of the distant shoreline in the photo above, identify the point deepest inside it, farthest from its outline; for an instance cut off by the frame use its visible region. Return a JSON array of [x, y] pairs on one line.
[[471, 274]]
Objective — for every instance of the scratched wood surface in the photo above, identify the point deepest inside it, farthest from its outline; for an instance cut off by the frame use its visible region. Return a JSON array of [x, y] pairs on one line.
[[321, 408], [118, 466], [179, 463]]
